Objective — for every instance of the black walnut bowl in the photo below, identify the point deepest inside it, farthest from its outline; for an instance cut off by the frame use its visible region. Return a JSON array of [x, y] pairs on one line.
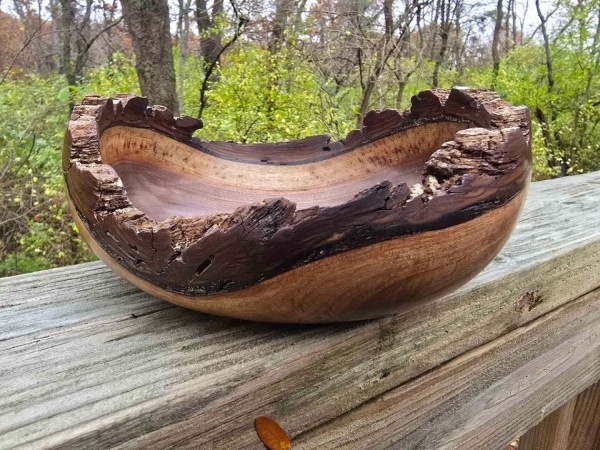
[[402, 211]]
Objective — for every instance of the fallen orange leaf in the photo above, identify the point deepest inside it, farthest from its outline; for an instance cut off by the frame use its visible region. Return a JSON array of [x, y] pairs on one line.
[[271, 434]]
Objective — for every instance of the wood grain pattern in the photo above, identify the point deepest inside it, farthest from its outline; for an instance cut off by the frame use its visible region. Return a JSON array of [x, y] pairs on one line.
[[482, 399], [366, 284], [86, 358], [585, 428], [552, 433], [150, 167], [199, 220], [573, 426]]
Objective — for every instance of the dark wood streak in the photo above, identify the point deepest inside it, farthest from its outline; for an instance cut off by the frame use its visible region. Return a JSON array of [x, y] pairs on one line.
[[481, 169]]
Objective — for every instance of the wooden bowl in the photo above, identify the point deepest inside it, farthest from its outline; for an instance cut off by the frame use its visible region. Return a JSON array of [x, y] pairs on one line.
[[400, 212]]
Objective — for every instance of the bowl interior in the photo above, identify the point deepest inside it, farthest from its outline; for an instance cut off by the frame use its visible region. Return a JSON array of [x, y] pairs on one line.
[[164, 177]]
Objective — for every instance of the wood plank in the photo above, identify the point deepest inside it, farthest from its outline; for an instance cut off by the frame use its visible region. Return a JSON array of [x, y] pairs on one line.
[[585, 430], [573, 426], [79, 369], [484, 398], [552, 433]]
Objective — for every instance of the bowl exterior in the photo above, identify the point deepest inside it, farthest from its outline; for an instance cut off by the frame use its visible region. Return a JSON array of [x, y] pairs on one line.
[[372, 281]]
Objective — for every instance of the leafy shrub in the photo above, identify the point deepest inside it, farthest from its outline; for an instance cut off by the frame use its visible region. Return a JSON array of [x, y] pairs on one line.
[[36, 229], [260, 97]]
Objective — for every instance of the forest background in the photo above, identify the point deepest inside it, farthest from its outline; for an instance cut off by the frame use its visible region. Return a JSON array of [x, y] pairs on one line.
[[267, 71]]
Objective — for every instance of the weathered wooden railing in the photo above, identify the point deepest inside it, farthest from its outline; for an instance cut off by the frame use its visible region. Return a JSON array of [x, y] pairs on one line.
[[88, 361]]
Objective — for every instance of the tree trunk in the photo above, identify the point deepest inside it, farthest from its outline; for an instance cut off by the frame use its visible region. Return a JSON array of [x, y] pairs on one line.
[[148, 23], [444, 34], [210, 36], [550, 74], [389, 45], [433, 30], [67, 18], [283, 10], [388, 6], [506, 18], [445, 26], [81, 42], [514, 24], [400, 94], [183, 28], [297, 22], [496, 43]]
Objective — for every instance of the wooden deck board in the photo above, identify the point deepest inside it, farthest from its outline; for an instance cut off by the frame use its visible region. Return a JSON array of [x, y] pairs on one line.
[[78, 369], [486, 397]]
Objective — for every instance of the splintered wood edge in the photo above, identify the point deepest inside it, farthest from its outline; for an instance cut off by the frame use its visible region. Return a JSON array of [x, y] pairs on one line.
[[481, 169]]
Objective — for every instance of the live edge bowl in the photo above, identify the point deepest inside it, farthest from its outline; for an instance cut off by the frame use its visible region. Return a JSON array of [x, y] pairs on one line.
[[398, 213]]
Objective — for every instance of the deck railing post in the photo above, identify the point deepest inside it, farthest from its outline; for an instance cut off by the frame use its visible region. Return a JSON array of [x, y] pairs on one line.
[[585, 429], [573, 426], [552, 433]]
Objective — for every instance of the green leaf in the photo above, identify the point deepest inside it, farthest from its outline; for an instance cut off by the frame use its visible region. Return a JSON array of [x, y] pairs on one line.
[[64, 95]]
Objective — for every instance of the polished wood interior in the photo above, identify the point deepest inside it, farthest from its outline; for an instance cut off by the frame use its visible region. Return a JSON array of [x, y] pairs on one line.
[[164, 177]]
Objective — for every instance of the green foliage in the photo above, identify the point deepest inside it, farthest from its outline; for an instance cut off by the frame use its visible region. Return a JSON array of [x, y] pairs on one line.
[[522, 79], [36, 230], [30, 107], [52, 240], [117, 77], [260, 97]]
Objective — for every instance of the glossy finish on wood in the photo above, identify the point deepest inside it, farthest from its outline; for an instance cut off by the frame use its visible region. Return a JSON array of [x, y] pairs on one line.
[[399, 212]]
